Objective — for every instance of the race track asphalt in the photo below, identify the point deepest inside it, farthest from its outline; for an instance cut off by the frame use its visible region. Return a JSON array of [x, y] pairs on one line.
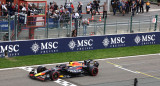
[[112, 72]]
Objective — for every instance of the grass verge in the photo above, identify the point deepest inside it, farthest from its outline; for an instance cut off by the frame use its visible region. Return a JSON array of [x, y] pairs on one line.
[[80, 55]]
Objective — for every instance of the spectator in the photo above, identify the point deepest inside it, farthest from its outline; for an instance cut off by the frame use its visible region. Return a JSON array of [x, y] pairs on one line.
[[55, 6], [123, 7], [74, 33], [91, 5], [88, 9], [127, 7], [137, 7], [141, 5], [72, 6], [147, 6], [130, 5], [76, 15], [133, 7], [158, 1], [79, 8], [97, 6], [13, 9], [85, 23], [24, 9], [104, 9], [6, 37], [9, 7], [114, 5], [119, 6], [61, 9], [4, 9]]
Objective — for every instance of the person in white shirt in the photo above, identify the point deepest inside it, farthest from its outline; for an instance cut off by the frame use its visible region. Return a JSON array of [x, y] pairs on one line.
[[88, 9]]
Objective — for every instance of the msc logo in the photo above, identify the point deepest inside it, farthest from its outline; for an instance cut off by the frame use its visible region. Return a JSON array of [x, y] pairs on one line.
[[145, 39], [117, 40], [12, 49], [46, 47], [114, 41], [81, 44], [9, 48]]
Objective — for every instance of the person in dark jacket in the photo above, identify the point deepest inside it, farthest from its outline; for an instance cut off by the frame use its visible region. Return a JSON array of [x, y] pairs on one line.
[[133, 7], [137, 7], [141, 3], [158, 1], [79, 8], [114, 5], [97, 6], [127, 7]]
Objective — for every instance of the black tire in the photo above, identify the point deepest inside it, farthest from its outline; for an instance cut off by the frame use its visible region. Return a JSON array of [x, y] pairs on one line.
[[31, 74], [40, 69], [54, 75], [93, 71]]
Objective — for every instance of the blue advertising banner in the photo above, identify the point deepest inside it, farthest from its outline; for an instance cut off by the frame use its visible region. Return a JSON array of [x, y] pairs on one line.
[[4, 25], [53, 23], [35, 47]]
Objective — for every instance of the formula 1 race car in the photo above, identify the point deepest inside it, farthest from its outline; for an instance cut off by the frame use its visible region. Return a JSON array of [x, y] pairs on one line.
[[73, 69]]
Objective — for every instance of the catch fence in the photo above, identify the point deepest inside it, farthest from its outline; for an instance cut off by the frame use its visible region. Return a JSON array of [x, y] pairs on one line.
[[59, 28]]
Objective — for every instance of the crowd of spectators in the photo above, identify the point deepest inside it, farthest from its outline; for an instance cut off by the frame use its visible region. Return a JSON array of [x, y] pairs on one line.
[[129, 6], [8, 7]]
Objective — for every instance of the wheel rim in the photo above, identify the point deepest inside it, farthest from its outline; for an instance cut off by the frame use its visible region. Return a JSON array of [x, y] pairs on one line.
[[94, 71], [55, 76]]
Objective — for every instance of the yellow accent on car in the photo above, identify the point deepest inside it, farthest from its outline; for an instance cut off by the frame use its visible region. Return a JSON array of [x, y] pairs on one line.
[[37, 74], [61, 76]]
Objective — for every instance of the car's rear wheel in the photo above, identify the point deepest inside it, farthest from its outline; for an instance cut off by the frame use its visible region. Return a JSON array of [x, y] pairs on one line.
[[54, 75], [93, 71], [31, 74], [40, 69]]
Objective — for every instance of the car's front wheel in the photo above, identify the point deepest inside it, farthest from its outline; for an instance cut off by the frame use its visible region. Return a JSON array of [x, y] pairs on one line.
[[54, 75], [93, 71]]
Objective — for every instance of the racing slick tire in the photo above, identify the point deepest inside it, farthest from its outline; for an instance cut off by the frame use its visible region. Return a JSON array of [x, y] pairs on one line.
[[40, 69], [54, 75], [31, 75], [93, 71]]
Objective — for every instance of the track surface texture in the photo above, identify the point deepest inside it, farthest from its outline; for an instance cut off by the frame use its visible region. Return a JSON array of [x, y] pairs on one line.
[[119, 71]]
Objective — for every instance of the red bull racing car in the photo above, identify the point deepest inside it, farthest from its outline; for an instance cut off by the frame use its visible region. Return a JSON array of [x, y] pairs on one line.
[[73, 69]]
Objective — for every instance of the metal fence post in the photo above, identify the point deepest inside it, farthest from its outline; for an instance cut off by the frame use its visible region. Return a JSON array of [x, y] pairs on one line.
[[150, 23], [71, 24], [58, 27], [128, 26], [155, 28], [105, 24], [139, 25], [1, 33], [131, 25], [116, 27], [15, 26], [47, 22], [9, 27]]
